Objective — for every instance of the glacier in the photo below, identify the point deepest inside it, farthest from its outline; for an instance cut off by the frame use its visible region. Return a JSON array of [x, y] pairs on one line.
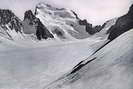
[[110, 69], [33, 65]]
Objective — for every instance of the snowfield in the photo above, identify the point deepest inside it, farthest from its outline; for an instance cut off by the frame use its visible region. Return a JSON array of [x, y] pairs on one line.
[[110, 68], [29, 64], [50, 64]]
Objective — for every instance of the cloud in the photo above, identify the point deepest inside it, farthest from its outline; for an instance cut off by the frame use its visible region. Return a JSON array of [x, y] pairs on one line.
[[95, 11]]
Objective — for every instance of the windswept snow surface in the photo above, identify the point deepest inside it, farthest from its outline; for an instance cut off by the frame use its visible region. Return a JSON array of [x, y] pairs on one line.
[[112, 68], [27, 64]]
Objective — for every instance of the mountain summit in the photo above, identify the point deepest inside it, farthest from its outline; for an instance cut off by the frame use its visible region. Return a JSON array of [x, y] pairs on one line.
[[64, 21]]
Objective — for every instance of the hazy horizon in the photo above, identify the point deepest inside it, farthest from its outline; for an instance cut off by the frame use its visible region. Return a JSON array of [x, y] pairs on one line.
[[94, 11]]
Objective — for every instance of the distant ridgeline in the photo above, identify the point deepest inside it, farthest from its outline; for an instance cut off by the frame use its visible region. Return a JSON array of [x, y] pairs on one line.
[[32, 24], [51, 22]]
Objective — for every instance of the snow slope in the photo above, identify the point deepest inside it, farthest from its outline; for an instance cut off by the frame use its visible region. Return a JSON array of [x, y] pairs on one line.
[[37, 64], [109, 68], [10, 34]]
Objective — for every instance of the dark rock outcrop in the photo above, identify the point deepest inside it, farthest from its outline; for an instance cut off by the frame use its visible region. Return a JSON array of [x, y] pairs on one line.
[[97, 28], [41, 31], [87, 25], [122, 25], [83, 22], [59, 32], [89, 28], [30, 16], [7, 17], [76, 15], [80, 65]]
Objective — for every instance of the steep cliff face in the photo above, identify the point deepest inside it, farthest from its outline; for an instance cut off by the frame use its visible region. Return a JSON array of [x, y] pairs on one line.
[[28, 15], [33, 25], [89, 27], [10, 24], [122, 25], [7, 17], [28, 23], [104, 30], [61, 19]]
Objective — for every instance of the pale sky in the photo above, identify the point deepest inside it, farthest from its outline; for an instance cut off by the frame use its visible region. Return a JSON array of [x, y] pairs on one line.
[[95, 11]]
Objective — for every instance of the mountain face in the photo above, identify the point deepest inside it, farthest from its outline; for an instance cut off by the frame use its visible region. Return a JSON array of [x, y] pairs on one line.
[[28, 23], [65, 21], [122, 25], [105, 28], [89, 28], [107, 25], [61, 20], [10, 24], [30, 17], [33, 25], [42, 32], [7, 17]]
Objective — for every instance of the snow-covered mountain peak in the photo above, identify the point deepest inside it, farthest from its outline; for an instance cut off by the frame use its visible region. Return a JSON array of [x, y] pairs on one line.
[[10, 25], [61, 22], [48, 6], [55, 12]]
